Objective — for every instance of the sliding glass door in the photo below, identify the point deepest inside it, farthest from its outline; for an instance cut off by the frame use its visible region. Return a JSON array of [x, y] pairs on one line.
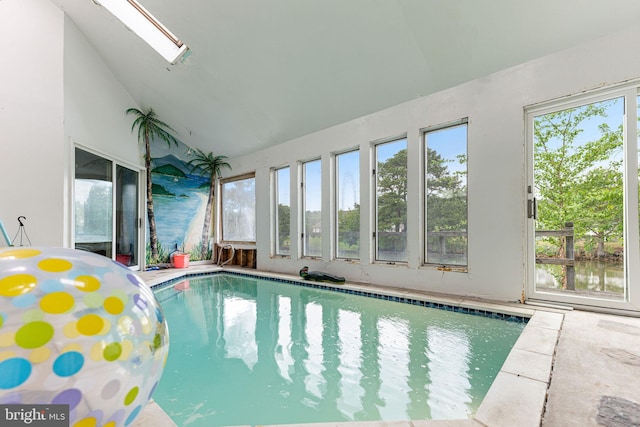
[[93, 203], [127, 223], [106, 208], [583, 200]]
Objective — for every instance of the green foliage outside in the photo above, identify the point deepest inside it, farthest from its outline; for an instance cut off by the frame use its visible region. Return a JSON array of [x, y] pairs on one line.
[[579, 181], [96, 213], [313, 241], [391, 232], [446, 206], [446, 195], [284, 231], [349, 233]]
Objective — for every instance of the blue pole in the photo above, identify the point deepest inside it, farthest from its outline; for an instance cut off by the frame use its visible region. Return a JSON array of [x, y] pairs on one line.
[[4, 233]]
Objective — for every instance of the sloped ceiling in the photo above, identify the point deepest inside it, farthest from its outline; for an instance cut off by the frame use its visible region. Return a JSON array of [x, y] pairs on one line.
[[262, 72]]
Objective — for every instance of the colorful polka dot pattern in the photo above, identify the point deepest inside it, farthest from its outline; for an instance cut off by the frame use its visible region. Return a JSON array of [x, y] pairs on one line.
[[66, 316]]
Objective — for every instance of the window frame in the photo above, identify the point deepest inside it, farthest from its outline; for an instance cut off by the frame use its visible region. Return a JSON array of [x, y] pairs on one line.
[[631, 93], [275, 247], [229, 180], [303, 207], [337, 194], [375, 203], [425, 185], [146, 26]]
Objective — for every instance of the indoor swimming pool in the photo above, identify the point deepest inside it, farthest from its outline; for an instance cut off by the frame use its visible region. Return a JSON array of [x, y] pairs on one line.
[[246, 350]]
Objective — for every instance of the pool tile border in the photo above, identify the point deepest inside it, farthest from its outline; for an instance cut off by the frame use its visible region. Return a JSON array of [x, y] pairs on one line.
[[509, 317]]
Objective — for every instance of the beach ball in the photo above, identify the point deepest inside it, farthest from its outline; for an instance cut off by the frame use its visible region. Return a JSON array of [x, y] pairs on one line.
[[79, 329]]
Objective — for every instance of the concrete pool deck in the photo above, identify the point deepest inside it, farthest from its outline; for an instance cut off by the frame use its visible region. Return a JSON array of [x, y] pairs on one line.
[[568, 368]]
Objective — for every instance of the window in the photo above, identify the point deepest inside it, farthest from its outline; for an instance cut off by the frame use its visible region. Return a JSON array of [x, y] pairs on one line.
[[282, 211], [312, 204], [348, 205], [446, 195], [391, 201], [238, 197], [147, 27]]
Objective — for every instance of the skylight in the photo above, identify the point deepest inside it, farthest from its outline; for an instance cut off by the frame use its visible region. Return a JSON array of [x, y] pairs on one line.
[[141, 22]]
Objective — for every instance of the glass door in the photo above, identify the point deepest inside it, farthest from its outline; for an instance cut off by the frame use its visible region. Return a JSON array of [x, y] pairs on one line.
[[127, 223], [578, 201], [106, 208], [93, 203]]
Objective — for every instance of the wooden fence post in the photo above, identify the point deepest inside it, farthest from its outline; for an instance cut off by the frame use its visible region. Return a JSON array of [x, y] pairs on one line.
[[570, 254], [568, 263]]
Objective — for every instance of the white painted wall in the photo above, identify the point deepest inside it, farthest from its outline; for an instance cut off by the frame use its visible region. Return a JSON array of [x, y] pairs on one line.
[[32, 147], [95, 119], [95, 102], [95, 105], [56, 91], [496, 177]]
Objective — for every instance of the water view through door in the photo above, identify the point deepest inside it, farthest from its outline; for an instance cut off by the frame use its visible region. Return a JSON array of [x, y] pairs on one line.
[[576, 201]]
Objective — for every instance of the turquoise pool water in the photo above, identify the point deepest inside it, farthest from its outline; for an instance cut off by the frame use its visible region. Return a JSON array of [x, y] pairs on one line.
[[248, 351]]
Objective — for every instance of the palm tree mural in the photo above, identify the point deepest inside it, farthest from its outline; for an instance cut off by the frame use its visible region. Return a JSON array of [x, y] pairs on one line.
[[150, 128], [211, 166]]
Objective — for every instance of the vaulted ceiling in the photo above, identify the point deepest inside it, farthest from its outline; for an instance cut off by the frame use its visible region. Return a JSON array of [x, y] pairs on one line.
[[262, 72]]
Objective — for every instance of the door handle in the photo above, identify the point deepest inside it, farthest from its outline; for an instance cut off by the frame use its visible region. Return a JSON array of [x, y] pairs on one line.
[[532, 208]]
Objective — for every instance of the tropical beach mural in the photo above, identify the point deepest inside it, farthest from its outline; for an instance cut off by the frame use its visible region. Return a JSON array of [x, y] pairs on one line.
[[180, 200], [180, 183]]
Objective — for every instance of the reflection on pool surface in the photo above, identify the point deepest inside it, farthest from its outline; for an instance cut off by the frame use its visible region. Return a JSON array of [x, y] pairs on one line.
[[247, 351]]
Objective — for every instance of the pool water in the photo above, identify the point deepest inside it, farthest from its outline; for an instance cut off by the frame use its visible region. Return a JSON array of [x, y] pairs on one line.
[[248, 351]]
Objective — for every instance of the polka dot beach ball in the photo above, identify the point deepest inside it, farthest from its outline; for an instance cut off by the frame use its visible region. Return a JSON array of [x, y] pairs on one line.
[[77, 328]]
